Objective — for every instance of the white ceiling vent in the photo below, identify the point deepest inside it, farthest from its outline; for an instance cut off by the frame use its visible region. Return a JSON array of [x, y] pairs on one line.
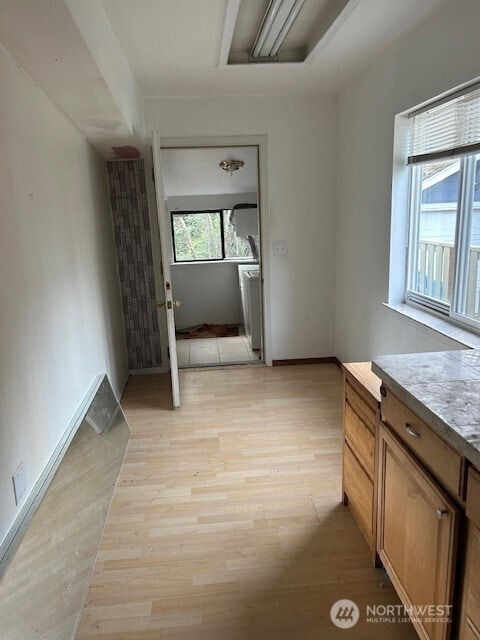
[[258, 32]]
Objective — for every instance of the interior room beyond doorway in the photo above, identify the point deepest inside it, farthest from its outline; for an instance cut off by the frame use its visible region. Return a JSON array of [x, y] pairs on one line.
[[213, 218]]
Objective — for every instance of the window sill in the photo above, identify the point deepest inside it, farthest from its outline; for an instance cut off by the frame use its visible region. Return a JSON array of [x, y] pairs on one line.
[[214, 262], [442, 326]]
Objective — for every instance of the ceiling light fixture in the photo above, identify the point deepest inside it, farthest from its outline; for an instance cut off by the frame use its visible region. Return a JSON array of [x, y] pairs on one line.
[[277, 22], [231, 165]]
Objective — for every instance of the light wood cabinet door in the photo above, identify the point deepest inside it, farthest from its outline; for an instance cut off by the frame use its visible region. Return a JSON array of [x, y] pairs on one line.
[[417, 533], [469, 634], [473, 579]]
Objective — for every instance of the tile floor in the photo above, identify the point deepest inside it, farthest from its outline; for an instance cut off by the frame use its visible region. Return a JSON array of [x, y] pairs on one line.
[[209, 351]]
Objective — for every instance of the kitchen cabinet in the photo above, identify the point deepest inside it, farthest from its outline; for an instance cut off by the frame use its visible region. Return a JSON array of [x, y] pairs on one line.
[[435, 454], [361, 416], [428, 486], [470, 624], [417, 533]]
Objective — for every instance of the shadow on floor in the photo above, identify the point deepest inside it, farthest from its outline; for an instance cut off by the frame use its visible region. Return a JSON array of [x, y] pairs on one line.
[[293, 602]]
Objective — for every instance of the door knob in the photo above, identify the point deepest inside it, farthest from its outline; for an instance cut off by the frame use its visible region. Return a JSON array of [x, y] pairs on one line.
[[442, 512]]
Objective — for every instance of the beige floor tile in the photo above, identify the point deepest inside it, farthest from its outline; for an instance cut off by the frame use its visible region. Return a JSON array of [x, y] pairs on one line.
[[202, 341], [233, 340], [183, 359], [235, 357], [207, 351], [183, 346], [204, 359], [239, 351]]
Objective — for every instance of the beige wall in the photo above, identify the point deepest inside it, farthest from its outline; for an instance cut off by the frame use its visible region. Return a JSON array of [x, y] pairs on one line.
[[60, 313], [301, 145], [438, 56]]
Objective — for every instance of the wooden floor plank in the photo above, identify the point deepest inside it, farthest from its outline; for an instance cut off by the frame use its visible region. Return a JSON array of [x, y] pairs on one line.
[[226, 522]]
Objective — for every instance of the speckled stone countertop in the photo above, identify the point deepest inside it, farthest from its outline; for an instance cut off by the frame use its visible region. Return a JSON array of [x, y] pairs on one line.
[[441, 388]]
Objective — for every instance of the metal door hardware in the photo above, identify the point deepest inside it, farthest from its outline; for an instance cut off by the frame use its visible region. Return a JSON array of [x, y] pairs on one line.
[[411, 431]]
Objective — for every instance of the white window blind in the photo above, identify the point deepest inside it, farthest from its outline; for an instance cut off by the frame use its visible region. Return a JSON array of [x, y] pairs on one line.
[[450, 128]]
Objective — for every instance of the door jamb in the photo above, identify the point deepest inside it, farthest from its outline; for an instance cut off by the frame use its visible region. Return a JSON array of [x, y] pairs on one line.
[[259, 141], [157, 258]]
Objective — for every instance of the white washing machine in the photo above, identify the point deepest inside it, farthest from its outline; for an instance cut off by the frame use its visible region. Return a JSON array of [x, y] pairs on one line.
[[250, 291]]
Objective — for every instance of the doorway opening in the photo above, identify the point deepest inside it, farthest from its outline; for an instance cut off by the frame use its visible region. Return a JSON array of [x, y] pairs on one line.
[[213, 220]]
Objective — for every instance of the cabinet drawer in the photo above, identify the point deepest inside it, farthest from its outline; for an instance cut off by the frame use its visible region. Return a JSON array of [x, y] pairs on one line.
[[438, 456], [360, 405], [359, 489], [473, 497], [360, 439]]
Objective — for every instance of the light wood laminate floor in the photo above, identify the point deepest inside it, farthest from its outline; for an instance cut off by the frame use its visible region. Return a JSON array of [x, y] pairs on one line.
[[226, 522]]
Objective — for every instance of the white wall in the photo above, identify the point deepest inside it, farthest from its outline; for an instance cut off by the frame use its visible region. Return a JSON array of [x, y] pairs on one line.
[[209, 293], [302, 143], [60, 314], [102, 42], [220, 201], [439, 55]]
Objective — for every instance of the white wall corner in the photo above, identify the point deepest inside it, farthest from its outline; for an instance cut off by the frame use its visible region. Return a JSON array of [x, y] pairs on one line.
[[100, 38]]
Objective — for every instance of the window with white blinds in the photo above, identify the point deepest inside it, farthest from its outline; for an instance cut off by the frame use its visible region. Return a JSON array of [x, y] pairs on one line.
[[448, 129], [444, 232]]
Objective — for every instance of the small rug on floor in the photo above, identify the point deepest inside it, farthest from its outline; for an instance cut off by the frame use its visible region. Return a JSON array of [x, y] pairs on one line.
[[209, 331]]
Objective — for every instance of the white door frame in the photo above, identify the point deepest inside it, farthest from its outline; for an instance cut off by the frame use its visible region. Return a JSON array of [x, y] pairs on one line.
[[261, 143], [166, 276], [157, 258]]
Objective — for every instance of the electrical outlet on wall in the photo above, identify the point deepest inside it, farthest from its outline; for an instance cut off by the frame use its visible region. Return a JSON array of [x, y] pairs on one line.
[[279, 248], [19, 480]]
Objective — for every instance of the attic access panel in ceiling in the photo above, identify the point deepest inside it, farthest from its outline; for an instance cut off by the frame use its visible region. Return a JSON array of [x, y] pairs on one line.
[[279, 31]]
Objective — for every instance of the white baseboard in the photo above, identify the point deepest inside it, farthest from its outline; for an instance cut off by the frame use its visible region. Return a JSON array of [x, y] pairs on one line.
[[16, 531]]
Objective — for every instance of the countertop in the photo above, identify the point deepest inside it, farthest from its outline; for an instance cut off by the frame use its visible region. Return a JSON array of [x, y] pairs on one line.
[[443, 389], [362, 371]]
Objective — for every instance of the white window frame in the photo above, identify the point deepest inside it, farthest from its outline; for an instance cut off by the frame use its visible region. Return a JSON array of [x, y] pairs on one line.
[[456, 309]]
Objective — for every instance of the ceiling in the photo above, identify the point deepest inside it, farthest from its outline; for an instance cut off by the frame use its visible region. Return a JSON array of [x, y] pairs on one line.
[[194, 172], [173, 47], [308, 22]]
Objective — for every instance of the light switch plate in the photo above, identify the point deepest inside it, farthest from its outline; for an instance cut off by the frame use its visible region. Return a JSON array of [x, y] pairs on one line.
[[279, 248], [19, 479]]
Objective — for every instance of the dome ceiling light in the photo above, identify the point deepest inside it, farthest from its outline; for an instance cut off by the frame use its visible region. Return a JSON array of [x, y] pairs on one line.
[[231, 165]]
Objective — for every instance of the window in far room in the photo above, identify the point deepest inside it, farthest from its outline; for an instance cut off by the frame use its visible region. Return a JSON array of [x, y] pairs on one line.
[[207, 235], [444, 243]]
